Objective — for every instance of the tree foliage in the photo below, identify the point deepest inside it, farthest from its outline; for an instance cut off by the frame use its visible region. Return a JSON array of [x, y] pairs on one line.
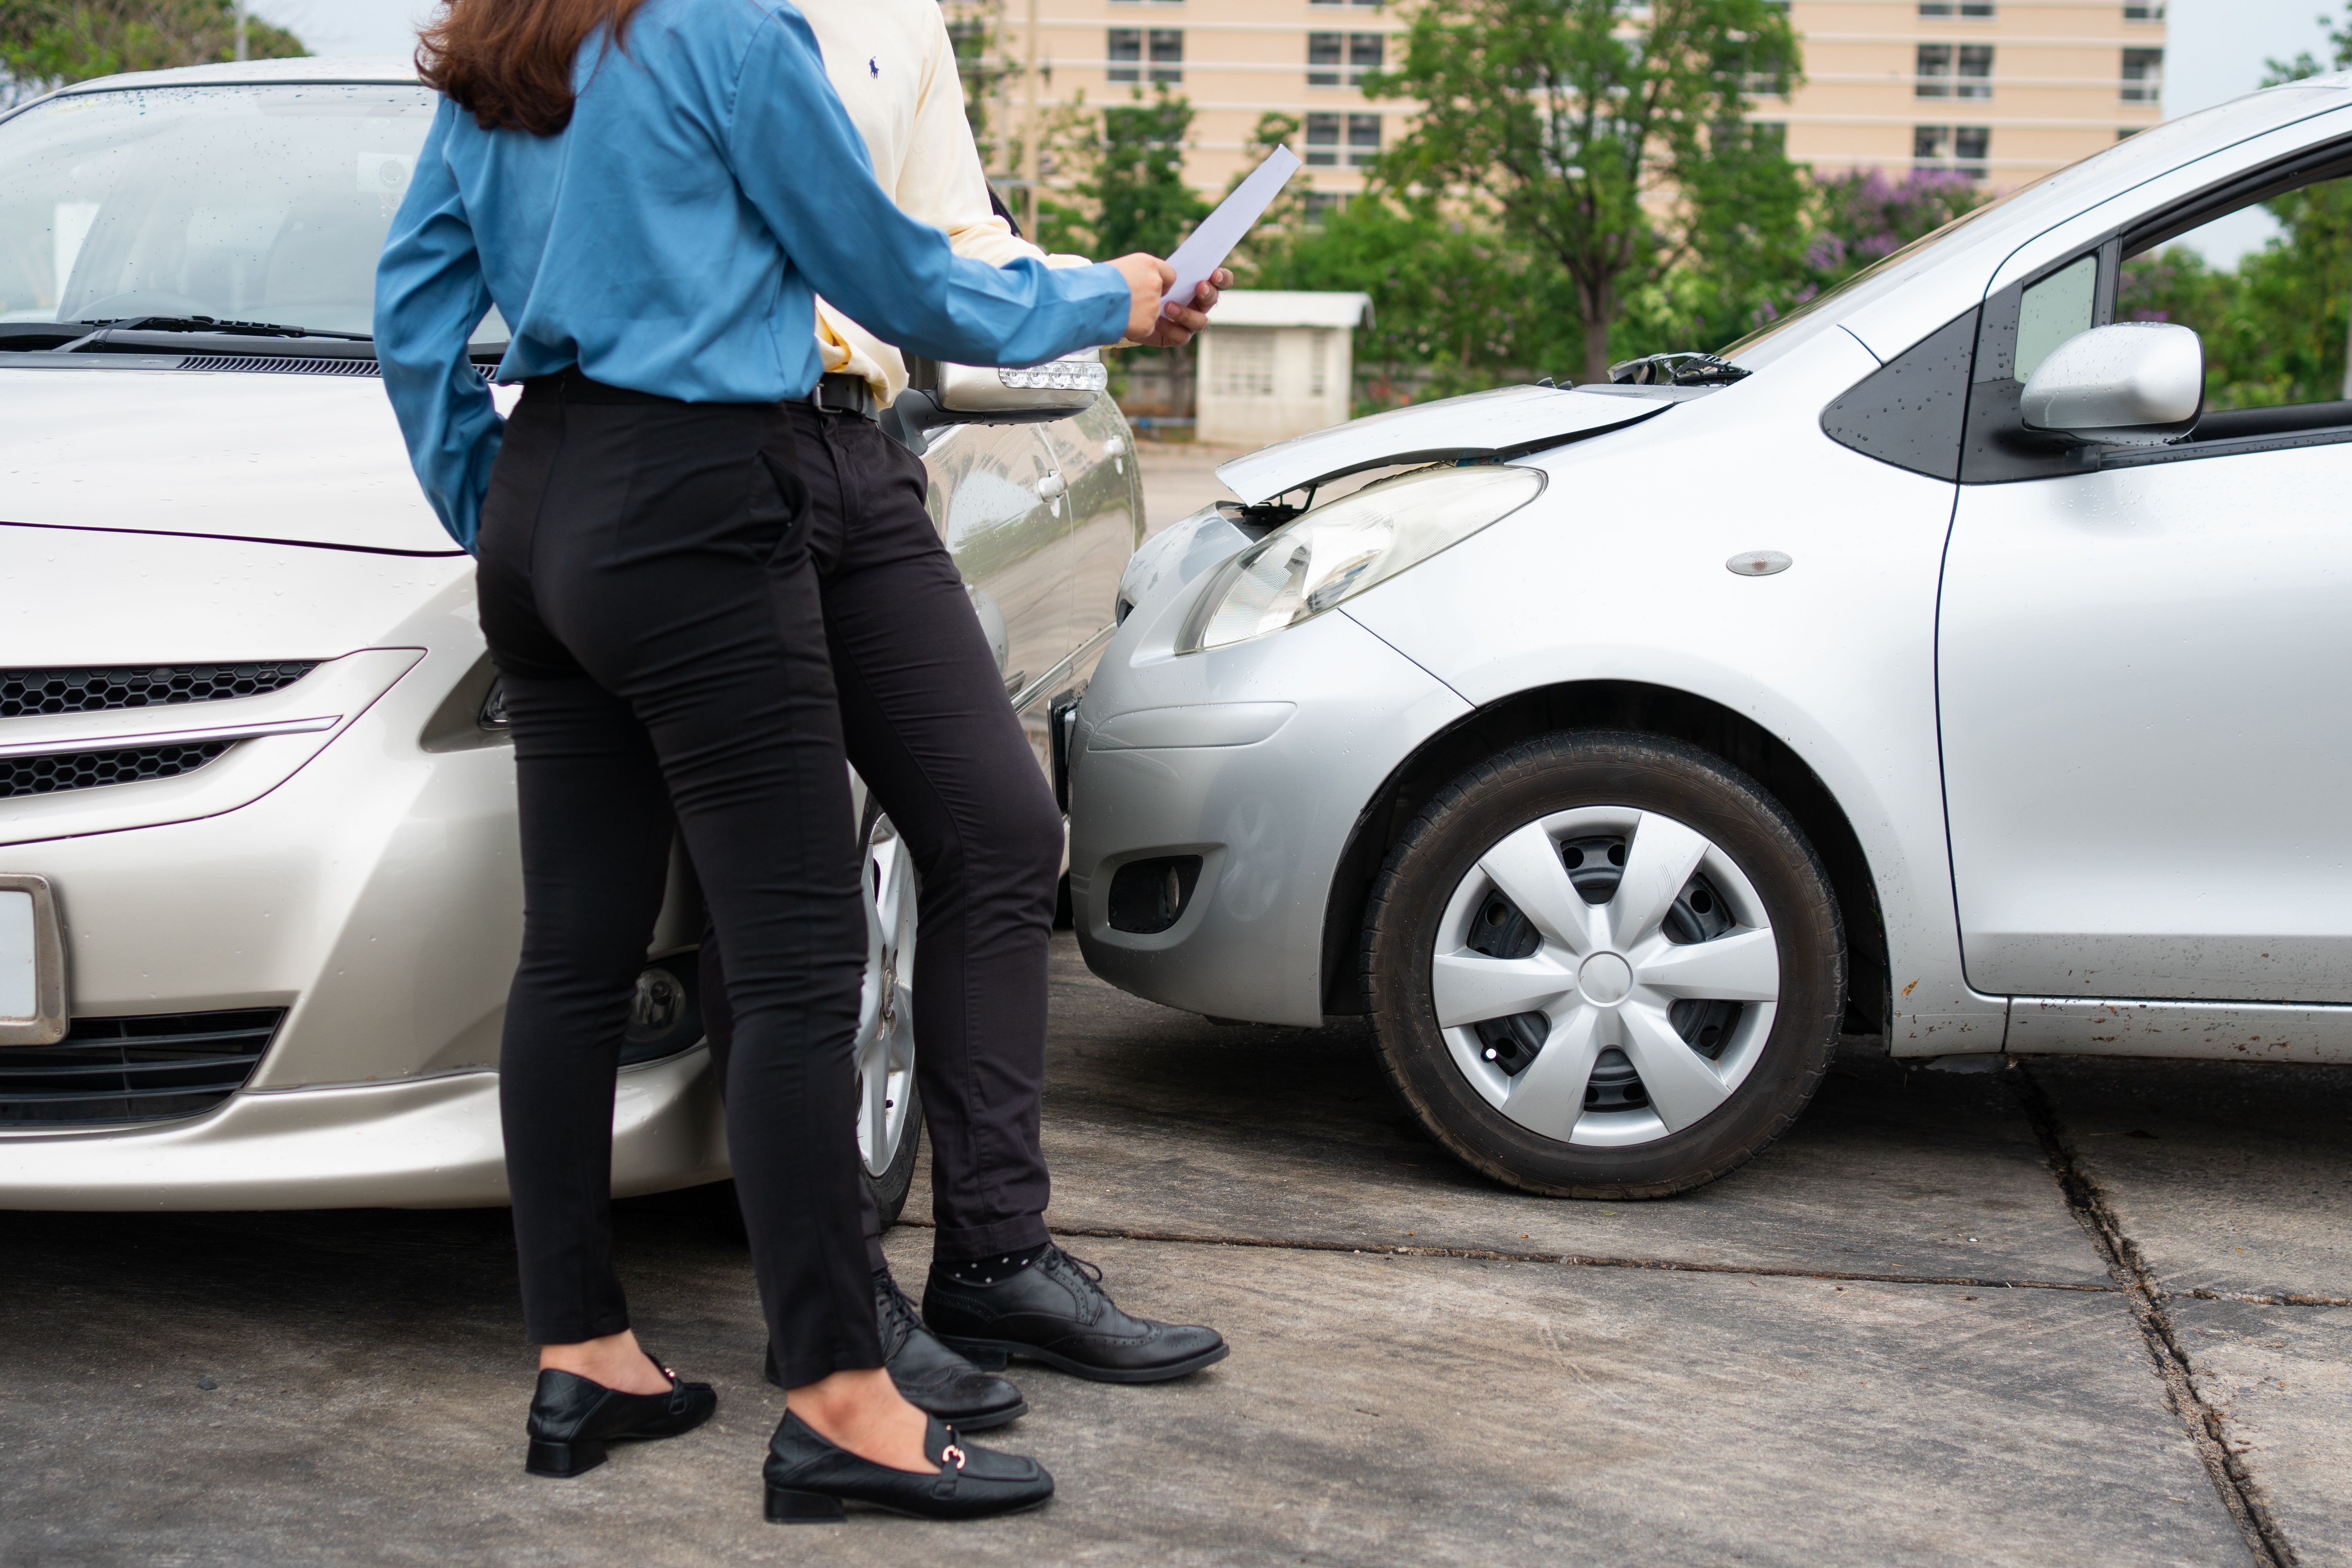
[[1612, 141], [47, 42]]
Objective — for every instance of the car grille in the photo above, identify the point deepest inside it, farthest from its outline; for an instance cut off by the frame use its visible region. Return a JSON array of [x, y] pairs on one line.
[[286, 365], [150, 1068], [294, 364], [24, 692], [88, 769]]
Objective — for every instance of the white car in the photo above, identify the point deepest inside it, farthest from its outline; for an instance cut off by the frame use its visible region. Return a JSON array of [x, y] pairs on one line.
[[259, 898], [1932, 666]]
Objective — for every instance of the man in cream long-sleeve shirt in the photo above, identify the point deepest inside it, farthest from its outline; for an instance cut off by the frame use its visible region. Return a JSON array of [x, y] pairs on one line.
[[926, 726], [893, 65]]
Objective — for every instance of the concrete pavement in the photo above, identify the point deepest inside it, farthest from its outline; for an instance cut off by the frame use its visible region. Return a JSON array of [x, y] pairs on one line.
[[1953, 1318]]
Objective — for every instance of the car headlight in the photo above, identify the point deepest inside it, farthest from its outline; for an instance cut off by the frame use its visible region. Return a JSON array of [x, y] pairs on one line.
[[1335, 552]]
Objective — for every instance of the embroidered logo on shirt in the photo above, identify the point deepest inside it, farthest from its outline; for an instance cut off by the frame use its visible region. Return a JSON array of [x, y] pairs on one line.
[[875, 68]]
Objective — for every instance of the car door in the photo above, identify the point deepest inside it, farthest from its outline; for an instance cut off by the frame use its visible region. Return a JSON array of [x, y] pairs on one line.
[[1006, 524], [1104, 501], [2141, 674]]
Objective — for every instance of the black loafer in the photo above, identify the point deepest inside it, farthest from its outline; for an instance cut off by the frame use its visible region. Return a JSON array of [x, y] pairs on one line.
[[573, 1418], [929, 1375], [1055, 1310], [808, 1479]]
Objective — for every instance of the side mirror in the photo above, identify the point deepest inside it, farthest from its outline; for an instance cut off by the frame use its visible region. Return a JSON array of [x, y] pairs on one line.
[[2135, 383], [938, 394]]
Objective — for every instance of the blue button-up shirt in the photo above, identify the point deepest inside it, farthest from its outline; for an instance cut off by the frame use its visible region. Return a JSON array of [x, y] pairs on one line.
[[669, 239]]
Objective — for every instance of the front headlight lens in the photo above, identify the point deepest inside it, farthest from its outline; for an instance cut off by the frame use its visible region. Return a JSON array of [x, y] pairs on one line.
[[1335, 552]]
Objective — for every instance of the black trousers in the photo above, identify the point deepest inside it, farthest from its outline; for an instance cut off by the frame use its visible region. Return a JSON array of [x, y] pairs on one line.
[[648, 596], [926, 726]]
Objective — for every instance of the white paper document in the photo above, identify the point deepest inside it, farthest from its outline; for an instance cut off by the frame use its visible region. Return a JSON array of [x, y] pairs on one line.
[[1208, 246]]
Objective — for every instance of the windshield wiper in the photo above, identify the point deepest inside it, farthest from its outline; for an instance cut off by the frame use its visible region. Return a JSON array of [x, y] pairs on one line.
[[202, 325]]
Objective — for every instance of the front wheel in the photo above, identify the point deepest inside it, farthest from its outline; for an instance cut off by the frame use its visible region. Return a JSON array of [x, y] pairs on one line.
[[1604, 964], [889, 1108]]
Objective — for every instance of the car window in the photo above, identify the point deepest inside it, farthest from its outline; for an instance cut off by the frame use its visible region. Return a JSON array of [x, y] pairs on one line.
[[2273, 319], [2054, 309], [243, 203]]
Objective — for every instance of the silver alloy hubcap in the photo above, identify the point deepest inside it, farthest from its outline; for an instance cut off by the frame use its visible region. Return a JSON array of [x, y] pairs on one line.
[[1605, 976], [886, 1006]]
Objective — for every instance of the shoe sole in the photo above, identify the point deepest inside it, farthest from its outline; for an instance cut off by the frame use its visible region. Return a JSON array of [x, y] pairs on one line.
[[1003, 1350], [557, 1461], [791, 1505]]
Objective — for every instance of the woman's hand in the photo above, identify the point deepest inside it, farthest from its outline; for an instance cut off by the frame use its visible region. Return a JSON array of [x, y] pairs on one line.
[[1177, 324], [1148, 277]]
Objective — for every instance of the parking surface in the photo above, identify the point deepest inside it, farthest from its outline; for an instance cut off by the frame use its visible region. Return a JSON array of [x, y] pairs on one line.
[[2078, 1312]]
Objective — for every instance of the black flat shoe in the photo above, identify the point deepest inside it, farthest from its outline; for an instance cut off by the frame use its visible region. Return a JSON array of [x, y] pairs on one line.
[[572, 1419], [929, 1375], [808, 1479], [1055, 1310]]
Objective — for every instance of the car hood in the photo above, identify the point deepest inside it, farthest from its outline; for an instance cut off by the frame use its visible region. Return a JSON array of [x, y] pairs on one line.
[[1502, 423], [299, 459]]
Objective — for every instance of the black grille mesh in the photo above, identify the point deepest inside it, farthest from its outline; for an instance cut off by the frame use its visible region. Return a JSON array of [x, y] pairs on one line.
[[95, 689], [284, 365], [135, 1070], [88, 769]]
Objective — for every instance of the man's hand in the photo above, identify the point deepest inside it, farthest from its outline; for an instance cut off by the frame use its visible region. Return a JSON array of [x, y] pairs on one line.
[[1148, 277], [1177, 324]]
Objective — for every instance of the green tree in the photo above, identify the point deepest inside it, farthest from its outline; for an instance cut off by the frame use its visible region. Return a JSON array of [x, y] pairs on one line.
[[46, 43], [1612, 142]]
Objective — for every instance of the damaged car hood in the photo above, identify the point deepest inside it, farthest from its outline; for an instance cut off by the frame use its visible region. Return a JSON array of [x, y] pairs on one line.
[[1503, 422]]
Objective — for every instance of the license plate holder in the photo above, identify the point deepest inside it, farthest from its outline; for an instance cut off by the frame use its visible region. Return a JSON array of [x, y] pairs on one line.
[[32, 962]]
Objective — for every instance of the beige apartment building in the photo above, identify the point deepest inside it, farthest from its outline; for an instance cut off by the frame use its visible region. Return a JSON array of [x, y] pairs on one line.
[[2004, 90]]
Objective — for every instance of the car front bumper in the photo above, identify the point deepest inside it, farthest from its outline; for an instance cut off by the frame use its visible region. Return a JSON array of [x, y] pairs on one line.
[[1259, 758]]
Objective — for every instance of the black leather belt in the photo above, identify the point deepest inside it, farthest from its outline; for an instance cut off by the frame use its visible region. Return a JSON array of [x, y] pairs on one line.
[[842, 394]]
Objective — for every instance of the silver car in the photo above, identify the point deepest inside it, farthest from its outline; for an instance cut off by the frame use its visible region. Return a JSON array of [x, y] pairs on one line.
[[1932, 666], [259, 898]]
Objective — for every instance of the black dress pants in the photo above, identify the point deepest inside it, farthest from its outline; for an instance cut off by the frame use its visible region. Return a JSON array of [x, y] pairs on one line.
[[648, 597], [926, 726]]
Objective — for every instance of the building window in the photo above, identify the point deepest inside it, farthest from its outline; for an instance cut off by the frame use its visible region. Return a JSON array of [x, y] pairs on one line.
[[1964, 147], [1125, 51], [1323, 59], [1364, 51], [1244, 363], [1318, 361], [1321, 204], [1322, 141], [1167, 55], [2144, 13], [1974, 10], [1364, 139], [1975, 75], [2143, 76], [1934, 71]]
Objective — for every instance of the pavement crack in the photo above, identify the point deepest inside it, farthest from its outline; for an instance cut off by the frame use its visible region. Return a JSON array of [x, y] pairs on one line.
[[1566, 1260], [2239, 1492]]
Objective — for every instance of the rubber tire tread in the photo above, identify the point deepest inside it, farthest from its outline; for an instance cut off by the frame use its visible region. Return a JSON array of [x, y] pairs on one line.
[[1592, 767]]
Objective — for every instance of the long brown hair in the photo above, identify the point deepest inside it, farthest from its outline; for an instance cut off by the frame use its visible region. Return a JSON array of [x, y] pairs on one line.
[[508, 62]]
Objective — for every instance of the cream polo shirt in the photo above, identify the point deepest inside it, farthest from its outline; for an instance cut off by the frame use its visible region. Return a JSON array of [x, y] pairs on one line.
[[895, 69]]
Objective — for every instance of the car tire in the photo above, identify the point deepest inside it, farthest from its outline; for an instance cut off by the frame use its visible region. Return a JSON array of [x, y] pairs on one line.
[[886, 1024], [1756, 888]]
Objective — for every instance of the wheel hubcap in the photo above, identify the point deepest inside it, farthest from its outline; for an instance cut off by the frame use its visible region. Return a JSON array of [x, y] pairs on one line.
[[885, 1052], [1605, 976], [1605, 979]]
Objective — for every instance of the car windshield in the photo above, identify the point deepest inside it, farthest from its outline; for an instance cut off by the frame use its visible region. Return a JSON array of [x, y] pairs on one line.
[[238, 203]]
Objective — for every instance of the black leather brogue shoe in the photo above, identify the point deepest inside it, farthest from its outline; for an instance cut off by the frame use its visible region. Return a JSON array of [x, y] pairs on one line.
[[1055, 1310], [572, 1419], [808, 1479], [929, 1375]]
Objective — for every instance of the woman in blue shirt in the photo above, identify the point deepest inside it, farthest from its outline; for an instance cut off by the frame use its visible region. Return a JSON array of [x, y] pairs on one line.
[[648, 191]]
